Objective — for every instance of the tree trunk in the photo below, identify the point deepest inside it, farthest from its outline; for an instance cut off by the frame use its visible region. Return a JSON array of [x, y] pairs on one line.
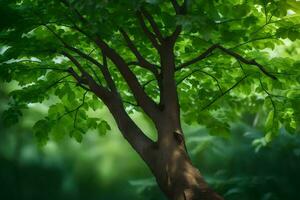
[[176, 175], [167, 158]]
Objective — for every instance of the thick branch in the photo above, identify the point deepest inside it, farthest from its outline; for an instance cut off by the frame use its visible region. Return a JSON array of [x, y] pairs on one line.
[[176, 6], [148, 33], [75, 62], [103, 68], [100, 91], [128, 128], [133, 134], [249, 62], [153, 24], [229, 52], [141, 60], [176, 33], [78, 79], [76, 76], [107, 75], [77, 51], [179, 9], [146, 103], [198, 58]]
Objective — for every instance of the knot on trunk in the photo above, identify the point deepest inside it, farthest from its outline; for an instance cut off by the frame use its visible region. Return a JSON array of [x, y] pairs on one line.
[[178, 136]]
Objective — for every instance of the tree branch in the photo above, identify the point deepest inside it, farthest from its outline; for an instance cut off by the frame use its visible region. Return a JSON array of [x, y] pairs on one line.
[[126, 125], [224, 93], [141, 60], [146, 103], [99, 90], [130, 103], [271, 99], [204, 72], [176, 6], [77, 109], [76, 76], [229, 52], [103, 69], [198, 58], [77, 51], [68, 5], [56, 82], [77, 84], [176, 33], [179, 9], [153, 24], [108, 77], [246, 61], [42, 68], [148, 33], [148, 82]]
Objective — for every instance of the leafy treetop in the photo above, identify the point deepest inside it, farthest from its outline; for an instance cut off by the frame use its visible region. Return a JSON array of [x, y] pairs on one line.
[[225, 66]]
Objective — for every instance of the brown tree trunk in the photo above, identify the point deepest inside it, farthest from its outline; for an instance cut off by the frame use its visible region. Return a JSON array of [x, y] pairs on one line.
[[176, 175], [167, 158]]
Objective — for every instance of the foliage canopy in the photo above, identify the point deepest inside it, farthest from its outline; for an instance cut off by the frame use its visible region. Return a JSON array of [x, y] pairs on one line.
[[225, 61]]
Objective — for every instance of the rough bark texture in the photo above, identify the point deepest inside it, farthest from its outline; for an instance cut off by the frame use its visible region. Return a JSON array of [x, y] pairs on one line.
[[174, 172], [176, 175]]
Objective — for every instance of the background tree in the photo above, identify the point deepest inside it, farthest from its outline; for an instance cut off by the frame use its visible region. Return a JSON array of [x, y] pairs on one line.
[[144, 56]]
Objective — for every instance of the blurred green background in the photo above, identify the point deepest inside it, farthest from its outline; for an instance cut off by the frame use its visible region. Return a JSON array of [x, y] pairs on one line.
[[106, 167]]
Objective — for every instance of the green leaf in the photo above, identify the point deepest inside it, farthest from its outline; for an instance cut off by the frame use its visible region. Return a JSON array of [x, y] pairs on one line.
[[30, 56], [41, 129], [92, 123], [77, 134], [103, 127], [11, 117]]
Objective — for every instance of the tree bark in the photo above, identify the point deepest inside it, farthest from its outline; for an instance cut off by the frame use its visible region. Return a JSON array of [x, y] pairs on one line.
[[175, 173], [167, 158]]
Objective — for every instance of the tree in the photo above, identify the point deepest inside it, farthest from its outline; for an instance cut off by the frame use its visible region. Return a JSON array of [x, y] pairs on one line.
[[198, 61]]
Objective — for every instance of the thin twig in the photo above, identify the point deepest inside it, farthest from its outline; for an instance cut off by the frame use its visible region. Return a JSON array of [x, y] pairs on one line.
[[204, 72], [224, 93], [77, 108], [271, 99], [76, 112], [57, 82]]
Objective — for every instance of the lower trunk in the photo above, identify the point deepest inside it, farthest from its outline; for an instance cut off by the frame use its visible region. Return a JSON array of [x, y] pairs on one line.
[[176, 175]]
